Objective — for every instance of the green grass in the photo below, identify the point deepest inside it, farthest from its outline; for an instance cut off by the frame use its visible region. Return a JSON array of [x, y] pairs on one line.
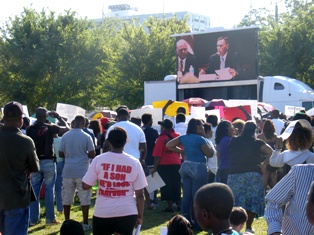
[[153, 221]]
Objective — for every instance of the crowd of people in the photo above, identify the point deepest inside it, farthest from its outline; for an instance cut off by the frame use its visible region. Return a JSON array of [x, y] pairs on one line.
[[225, 171]]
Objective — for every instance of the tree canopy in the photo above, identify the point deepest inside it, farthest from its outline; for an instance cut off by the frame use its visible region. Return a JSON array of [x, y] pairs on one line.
[[286, 47], [45, 59]]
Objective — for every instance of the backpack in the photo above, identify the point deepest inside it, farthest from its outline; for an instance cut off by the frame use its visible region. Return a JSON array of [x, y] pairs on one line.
[[39, 132]]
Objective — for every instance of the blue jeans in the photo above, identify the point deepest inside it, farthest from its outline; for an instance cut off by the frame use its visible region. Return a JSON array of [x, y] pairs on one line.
[[58, 186], [46, 175], [194, 176], [14, 221]]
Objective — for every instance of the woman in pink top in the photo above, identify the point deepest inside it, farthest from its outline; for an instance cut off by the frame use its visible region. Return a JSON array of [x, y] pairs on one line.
[[121, 181]]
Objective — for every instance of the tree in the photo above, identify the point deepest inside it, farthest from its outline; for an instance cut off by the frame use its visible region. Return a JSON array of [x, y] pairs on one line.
[[286, 47], [255, 17], [47, 59]]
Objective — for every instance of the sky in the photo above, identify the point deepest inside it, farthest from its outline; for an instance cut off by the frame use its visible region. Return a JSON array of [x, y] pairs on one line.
[[225, 13]]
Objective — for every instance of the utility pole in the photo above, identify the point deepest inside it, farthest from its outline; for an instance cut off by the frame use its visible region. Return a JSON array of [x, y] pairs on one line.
[[276, 12], [276, 9]]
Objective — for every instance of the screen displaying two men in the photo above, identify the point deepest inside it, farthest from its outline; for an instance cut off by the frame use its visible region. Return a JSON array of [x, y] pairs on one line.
[[217, 56]]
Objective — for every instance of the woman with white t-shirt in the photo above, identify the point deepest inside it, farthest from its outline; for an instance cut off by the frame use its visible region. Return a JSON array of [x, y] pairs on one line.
[[120, 176], [299, 139]]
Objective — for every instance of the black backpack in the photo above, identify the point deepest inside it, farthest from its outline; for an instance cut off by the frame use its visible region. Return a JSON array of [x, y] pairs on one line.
[[43, 140]]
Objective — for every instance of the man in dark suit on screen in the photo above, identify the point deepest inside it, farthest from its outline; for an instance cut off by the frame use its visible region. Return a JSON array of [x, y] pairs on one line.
[[185, 60], [223, 58]]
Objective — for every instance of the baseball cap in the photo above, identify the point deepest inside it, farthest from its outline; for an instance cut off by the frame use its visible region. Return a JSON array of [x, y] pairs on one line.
[[167, 123], [12, 109], [122, 107], [288, 131], [104, 120]]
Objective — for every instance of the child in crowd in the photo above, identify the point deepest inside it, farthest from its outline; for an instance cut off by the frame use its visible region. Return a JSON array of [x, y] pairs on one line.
[[238, 218], [71, 227], [179, 225], [213, 204]]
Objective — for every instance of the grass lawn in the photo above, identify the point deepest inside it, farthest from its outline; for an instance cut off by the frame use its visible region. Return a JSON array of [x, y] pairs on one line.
[[153, 220]]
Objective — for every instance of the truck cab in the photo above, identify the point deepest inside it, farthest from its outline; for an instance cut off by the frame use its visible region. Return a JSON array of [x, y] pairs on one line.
[[280, 91]]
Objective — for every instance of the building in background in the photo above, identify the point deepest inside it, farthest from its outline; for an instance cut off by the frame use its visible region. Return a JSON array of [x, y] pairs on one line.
[[196, 22]]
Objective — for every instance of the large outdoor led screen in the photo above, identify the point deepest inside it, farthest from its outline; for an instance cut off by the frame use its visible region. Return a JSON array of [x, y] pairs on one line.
[[217, 56]]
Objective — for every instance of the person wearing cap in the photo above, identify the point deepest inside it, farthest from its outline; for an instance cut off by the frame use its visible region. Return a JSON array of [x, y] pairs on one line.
[[103, 121], [122, 107], [167, 163], [18, 159], [299, 138], [42, 132], [136, 120], [193, 170], [292, 193]]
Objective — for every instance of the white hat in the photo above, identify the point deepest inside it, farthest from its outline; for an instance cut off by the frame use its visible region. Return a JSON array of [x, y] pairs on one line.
[[304, 123]]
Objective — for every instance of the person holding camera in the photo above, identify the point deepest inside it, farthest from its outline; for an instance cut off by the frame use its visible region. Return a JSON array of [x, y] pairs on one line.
[[42, 132]]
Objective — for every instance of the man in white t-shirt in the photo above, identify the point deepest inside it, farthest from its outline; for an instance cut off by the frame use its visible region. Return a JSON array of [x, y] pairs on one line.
[[180, 125], [136, 141], [278, 123]]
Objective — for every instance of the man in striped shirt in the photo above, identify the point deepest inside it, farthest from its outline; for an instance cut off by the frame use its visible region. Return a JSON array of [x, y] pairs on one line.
[[290, 192], [310, 205]]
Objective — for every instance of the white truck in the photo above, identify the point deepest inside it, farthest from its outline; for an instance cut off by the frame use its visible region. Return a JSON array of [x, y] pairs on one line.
[[278, 91]]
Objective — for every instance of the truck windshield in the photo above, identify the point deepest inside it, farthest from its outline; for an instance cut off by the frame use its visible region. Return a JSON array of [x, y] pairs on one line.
[[302, 86]]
